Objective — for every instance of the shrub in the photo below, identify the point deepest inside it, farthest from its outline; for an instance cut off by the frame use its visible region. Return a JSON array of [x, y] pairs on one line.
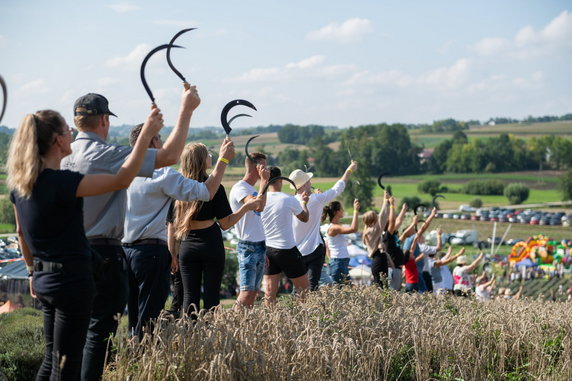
[[476, 203], [7, 212], [516, 193], [484, 187], [21, 344], [566, 185], [411, 202], [429, 186]]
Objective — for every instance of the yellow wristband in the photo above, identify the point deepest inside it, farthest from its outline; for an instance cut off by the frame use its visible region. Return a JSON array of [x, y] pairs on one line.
[[350, 171], [223, 160], [303, 202]]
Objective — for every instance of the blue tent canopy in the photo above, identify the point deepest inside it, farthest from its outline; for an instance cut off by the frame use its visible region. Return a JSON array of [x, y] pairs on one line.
[[526, 262]]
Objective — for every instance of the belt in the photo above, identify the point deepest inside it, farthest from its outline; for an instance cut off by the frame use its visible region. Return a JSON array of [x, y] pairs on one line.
[[104, 242], [148, 241], [65, 267]]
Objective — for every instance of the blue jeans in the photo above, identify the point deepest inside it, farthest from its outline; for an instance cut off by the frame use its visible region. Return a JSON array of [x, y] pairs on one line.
[[339, 269], [251, 260], [411, 287]]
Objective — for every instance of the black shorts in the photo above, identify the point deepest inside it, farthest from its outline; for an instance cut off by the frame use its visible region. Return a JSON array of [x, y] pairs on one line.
[[288, 261]]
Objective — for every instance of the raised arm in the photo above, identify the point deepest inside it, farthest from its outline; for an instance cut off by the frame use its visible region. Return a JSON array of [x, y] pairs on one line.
[[427, 222], [391, 225], [475, 263], [226, 154], [339, 229], [351, 168], [92, 185], [173, 147], [400, 218], [264, 175], [383, 213], [409, 230], [448, 259], [439, 240], [229, 221], [304, 216]]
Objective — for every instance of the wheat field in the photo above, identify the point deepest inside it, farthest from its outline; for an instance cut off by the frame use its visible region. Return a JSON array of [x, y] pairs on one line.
[[359, 333]]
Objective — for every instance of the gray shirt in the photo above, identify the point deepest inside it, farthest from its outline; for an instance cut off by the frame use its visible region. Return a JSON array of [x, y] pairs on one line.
[[103, 215], [148, 201]]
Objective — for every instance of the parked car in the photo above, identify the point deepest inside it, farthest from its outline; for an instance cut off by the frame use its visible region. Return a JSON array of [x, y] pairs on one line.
[[464, 237]]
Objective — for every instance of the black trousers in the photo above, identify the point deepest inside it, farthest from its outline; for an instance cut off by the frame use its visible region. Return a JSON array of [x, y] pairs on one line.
[[428, 280], [379, 267], [314, 263], [149, 269], [111, 288], [201, 262], [178, 294], [66, 303]]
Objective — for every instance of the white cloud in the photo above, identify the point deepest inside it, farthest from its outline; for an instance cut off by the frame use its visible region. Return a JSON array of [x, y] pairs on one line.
[[449, 77], [123, 7], [490, 46], [132, 60], [176, 23], [283, 73], [35, 87], [529, 42], [106, 81], [351, 30]]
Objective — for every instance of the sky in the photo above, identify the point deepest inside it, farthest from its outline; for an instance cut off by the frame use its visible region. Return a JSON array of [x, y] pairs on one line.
[[327, 62]]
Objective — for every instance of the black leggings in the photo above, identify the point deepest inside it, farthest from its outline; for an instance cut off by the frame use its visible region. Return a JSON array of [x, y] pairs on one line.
[[201, 261], [379, 267]]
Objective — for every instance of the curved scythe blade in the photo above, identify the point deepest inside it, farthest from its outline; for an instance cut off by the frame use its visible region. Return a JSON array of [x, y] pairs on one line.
[[279, 178], [434, 203], [379, 180], [415, 209], [224, 114], [144, 63], [238, 116], [246, 149], [5, 97], [177, 72]]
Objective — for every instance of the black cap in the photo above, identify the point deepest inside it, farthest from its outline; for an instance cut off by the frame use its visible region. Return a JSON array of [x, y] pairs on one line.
[[91, 104]]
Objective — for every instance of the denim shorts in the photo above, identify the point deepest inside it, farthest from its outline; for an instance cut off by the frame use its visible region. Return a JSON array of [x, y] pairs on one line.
[[251, 260]]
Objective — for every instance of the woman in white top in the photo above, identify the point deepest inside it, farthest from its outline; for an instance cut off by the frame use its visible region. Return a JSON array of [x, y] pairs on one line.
[[336, 240], [462, 275]]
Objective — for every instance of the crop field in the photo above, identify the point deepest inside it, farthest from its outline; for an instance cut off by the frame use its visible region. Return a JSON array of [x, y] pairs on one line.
[[360, 333]]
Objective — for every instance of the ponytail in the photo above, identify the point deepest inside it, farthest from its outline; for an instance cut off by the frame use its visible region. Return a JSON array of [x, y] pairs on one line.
[[330, 210], [29, 144]]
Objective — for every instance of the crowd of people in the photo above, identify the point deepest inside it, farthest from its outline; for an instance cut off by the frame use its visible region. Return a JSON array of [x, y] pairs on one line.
[[103, 226]]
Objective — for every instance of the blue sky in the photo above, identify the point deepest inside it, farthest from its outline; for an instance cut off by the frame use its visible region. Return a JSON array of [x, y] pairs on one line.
[[343, 63]]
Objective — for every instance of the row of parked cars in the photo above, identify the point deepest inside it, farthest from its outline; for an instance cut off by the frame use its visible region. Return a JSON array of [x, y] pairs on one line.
[[526, 216]]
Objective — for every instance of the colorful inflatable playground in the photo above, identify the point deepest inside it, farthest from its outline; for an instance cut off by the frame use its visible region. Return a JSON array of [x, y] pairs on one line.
[[542, 251]]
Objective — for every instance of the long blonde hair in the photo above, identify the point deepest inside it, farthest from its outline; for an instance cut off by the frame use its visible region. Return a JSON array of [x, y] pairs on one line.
[[193, 166], [28, 147]]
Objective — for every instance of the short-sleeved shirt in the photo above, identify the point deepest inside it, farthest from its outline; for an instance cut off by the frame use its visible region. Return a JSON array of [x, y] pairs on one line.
[[462, 279], [277, 220], [148, 201], [249, 227], [307, 234], [217, 208], [52, 218], [103, 214]]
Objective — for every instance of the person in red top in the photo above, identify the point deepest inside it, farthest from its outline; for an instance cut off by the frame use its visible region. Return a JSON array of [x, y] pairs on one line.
[[411, 272]]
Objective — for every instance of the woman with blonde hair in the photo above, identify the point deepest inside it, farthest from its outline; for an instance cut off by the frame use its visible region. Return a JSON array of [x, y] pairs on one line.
[[201, 251], [49, 218]]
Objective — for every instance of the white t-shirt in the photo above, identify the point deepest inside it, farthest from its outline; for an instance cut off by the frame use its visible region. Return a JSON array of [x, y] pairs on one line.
[[249, 227], [482, 292], [307, 234], [277, 219], [338, 246], [427, 250]]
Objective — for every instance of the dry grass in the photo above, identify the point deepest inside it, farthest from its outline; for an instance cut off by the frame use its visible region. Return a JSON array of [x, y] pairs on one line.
[[361, 334]]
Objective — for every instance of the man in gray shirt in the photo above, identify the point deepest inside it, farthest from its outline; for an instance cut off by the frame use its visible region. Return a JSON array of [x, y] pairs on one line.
[[145, 239], [104, 215]]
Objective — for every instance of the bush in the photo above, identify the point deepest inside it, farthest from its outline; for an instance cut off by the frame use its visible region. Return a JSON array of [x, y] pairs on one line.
[[484, 187], [7, 212], [21, 344], [566, 185], [476, 203], [429, 186], [516, 193], [411, 202]]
